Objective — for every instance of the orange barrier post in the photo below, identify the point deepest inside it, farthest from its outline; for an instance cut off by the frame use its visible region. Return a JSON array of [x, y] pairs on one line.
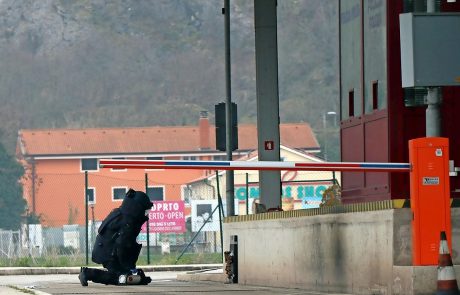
[[430, 196]]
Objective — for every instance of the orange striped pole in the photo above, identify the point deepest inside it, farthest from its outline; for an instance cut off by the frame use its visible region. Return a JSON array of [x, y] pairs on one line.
[[447, 282]]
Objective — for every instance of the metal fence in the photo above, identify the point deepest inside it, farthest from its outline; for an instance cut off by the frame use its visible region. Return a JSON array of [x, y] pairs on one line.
[[191, 232]]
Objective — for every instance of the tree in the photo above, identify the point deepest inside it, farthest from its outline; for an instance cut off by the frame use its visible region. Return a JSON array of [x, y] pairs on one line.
[[12, 204]]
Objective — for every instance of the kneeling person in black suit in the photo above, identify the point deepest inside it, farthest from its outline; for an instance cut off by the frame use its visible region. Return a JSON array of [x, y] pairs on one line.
[[116, 247]]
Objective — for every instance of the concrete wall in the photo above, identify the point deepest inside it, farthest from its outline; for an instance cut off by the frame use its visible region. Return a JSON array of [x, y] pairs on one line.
[[358, 253]]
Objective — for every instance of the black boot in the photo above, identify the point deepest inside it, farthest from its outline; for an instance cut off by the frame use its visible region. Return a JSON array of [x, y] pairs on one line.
[[83, 277], [102, 276], [145, 280]]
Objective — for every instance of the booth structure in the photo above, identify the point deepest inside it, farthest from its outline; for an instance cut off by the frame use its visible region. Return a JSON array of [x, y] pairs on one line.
[[378, 115]]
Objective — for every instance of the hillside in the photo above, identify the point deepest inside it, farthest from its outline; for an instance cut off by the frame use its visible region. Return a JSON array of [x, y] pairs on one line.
[[98, 63]]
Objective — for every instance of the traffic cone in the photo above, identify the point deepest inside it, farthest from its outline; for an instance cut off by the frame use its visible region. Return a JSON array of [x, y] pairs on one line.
[[447, 282]]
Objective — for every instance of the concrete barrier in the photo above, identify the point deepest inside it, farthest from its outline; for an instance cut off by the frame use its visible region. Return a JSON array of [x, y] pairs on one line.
[[358, 252]]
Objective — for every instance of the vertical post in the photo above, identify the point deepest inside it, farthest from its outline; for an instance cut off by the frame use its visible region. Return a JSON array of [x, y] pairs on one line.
[[325, 136], [148, 221], [247, 193], [433, 113], [430, 6], [221, 214], [268, 133], [234, 253], [34, 178], [228, 113], [86, 217]]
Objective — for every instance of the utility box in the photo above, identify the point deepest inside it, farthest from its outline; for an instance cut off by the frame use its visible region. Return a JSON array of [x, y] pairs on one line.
[[430, 45], [430, 197]]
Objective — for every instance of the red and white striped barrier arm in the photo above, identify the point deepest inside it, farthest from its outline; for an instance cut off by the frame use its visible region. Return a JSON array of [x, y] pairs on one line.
[[261, 165]]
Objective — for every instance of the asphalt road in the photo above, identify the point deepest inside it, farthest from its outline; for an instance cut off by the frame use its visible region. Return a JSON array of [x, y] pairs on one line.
[[163, 283]]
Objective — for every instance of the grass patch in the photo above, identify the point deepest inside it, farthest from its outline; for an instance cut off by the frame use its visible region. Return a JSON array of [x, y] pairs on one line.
[[23, 290], [80, 259]]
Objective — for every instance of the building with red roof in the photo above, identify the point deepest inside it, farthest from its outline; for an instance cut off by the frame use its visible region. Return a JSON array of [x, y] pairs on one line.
[[56, 161]]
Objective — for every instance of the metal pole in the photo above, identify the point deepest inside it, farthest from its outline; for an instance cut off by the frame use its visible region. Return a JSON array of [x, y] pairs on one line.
[[433, 113], [86, 217], [221, 215], [326, 134], [430, 6], [93, 226], [34, 178], [228, 113], [247, 193], [148, 221]]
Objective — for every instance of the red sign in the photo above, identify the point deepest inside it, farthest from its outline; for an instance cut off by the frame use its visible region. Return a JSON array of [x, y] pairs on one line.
[[269, 145], [166, 217]]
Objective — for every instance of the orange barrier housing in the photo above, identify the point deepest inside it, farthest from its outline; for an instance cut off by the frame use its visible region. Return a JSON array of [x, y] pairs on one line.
[[430, 197]]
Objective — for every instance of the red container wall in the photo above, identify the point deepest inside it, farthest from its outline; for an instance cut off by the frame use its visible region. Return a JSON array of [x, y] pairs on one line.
[[383, 135]]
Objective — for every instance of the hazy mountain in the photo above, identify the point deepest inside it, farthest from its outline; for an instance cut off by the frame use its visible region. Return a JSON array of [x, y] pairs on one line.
[[96, 63]]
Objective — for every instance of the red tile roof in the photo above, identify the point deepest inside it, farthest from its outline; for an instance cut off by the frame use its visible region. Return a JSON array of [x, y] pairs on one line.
[[138, 140]]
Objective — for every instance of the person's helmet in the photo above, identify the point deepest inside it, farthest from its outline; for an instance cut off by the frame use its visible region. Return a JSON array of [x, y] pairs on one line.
[[135, 203]]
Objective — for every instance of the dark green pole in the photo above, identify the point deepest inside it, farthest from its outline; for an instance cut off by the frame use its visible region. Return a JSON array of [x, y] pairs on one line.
[[229, 174], [221, 214], [247, 193], [148, 221], [86, 216]]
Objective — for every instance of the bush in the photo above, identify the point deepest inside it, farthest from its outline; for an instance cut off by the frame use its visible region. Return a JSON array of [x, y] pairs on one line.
[[331, 196]]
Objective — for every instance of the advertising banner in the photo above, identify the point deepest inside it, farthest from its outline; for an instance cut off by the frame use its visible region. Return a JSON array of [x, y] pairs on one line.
[[310, 193], [166, 217]]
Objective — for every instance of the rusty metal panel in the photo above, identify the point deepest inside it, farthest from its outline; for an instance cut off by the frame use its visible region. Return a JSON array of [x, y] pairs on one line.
[[352, 151], [376, 150]]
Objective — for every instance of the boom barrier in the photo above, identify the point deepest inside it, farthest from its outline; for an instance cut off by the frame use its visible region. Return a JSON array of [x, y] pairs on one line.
[[261, 165], [429, 185]]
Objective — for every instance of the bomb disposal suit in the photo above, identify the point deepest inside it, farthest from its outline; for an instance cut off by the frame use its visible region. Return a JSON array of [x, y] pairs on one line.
[[116, 247]]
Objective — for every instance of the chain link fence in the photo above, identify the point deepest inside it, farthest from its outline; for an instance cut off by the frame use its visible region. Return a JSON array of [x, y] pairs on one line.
[[184, 224]]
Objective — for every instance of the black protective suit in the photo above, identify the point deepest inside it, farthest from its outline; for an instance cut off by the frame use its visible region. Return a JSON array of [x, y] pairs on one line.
[[116, 247]]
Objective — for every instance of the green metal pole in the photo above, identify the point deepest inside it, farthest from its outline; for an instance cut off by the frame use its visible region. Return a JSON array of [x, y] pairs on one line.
[[148, 222], [221, 214], [86, 216], [247, 193]]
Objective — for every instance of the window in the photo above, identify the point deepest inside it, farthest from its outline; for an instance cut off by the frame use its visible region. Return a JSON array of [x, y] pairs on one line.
[[89, 164], [375, 95], [351, 103], [155, 193], [219, 158], [91, 193], [154, 158], [118, 193], [191, 158], [119, 169]]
